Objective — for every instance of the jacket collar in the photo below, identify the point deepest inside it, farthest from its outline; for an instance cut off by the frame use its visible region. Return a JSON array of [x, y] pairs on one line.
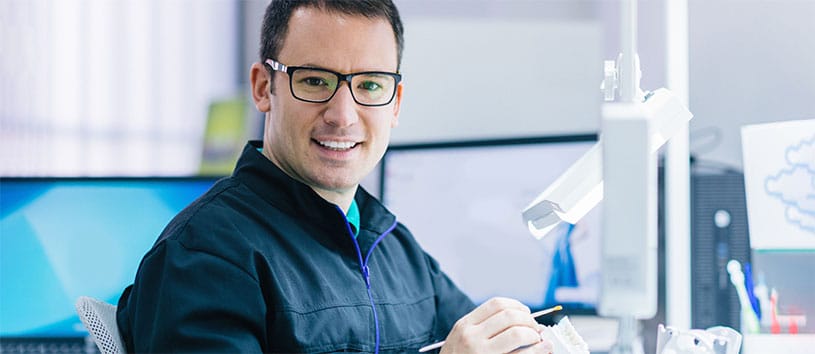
[[295, 198]]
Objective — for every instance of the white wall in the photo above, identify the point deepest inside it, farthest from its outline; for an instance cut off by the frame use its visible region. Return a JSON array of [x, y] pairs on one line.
[[750, 62], [484, 78]]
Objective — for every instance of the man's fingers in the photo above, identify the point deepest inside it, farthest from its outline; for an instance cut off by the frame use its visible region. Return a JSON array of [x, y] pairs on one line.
[[543, 347], [499, 325], [507, 318], [513, 338], [491, 307]]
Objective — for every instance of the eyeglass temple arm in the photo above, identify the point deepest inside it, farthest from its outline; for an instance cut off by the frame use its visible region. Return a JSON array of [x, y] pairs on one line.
[[276, 66]]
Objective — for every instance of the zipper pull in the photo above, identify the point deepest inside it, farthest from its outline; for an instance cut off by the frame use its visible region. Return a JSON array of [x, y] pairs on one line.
[[366, 273]]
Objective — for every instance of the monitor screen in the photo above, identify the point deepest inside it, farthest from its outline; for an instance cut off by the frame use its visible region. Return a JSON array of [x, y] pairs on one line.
[[463, 201], [61, 238]]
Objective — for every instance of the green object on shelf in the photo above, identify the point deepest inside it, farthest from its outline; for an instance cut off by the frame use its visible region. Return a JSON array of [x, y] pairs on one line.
[[224, 136]]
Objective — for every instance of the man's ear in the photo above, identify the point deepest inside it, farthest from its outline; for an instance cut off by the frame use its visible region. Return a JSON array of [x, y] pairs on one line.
[[397, 105], [261, 85]]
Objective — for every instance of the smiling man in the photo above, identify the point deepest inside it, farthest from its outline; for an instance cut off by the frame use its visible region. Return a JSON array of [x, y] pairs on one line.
[[289, 254], [326, 129]]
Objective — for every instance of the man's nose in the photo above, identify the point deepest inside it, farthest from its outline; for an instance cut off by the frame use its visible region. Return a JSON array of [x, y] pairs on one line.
[[342, 109]]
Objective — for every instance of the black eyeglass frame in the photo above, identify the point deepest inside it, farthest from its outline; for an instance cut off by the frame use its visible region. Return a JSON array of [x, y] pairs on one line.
[[289, 70]]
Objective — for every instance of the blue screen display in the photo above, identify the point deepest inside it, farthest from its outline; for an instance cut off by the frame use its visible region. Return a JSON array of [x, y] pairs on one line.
[[61, 238]]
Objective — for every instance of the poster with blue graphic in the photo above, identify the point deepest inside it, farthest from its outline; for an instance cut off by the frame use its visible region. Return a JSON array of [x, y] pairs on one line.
[[779, 177]]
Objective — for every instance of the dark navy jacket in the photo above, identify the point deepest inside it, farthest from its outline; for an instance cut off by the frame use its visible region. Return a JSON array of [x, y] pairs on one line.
[[261, 263]]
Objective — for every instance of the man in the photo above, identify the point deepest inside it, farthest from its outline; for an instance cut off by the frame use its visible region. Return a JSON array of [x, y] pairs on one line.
[[289, 254]]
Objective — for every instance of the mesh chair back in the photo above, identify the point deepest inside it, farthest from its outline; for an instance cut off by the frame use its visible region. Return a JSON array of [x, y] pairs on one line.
[[100, 319]]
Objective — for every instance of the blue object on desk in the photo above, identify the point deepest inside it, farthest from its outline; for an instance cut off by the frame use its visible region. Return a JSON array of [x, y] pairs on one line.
[[563, 272], [748, 283]]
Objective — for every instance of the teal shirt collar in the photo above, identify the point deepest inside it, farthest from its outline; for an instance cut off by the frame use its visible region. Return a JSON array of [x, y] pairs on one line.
[[353, 216]]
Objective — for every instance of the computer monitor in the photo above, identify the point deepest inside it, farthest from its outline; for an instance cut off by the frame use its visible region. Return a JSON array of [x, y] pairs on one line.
[[463, 200], [61, 238]]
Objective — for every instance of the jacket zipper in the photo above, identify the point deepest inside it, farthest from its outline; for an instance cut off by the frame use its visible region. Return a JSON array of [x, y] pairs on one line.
[[363, 266]]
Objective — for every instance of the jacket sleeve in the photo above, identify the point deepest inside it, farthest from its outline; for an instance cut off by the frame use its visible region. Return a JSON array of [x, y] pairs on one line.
[[192, 301], [451, 302]]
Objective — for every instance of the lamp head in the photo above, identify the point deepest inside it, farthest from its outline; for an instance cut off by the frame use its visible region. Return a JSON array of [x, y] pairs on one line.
[[580, 188]]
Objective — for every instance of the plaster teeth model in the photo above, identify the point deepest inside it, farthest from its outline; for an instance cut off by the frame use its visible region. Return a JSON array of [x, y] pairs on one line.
[[565, 339]]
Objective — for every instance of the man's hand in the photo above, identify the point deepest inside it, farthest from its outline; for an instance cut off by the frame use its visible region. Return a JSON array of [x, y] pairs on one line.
[[499, 325]]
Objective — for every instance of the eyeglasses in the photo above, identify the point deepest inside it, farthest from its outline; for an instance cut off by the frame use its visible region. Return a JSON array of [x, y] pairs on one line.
[[369, 88]]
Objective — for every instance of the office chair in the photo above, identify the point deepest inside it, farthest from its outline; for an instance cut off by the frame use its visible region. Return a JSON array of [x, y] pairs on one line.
[[100, 319]]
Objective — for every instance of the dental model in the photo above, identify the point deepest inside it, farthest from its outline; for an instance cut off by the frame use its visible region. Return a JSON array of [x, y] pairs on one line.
[[564, 338]]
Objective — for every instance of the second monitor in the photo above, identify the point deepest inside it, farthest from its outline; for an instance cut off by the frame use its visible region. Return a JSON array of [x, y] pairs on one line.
[[463, 200]]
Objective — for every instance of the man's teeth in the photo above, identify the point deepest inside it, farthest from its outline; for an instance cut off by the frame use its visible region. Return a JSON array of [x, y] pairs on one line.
[[338, 145]]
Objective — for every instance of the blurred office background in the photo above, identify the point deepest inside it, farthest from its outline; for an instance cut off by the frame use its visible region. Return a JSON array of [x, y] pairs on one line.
[[160, 87], [125, 87]]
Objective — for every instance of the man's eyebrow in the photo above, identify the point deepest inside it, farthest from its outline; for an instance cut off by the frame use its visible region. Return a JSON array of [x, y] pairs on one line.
[[316, 66]]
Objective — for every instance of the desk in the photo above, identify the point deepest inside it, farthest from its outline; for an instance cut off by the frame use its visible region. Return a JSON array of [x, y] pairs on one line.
[[778, 343]]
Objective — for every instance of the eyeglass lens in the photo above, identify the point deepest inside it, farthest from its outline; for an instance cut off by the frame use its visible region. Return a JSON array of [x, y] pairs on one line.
[[318, 86]]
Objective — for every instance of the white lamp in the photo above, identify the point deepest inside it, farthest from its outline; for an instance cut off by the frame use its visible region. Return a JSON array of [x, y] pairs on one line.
[[632, 133], [580, 188], [620, 169], [570, 197]]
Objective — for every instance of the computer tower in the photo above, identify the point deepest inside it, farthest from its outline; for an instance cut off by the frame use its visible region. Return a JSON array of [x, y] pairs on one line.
[[719, 233]]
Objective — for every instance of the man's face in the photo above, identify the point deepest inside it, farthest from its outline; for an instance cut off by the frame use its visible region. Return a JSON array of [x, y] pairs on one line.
[[331, 146]]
